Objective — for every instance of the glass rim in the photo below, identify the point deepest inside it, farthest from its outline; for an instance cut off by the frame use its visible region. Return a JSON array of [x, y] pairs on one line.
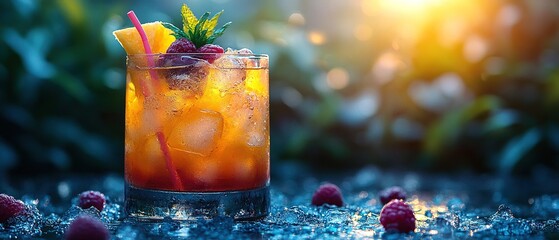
[[251, 61], [248, 55]]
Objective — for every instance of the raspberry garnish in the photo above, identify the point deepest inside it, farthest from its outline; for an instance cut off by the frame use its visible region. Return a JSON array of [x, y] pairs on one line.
[[197, 35], [188, 64], [86, 227], [210, 48], [181, 45], [397, 216], [327, 194], [89, 199], [9, 207], [392, 193]]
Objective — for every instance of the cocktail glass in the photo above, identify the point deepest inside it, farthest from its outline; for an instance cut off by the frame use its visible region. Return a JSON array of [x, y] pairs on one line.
[[197, 140]]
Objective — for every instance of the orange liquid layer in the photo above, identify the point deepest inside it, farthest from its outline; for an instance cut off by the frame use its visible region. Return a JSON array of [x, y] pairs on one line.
[[216, 128]]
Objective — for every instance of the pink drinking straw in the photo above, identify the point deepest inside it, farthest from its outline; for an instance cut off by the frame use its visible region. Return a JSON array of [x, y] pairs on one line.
[[177, 183]]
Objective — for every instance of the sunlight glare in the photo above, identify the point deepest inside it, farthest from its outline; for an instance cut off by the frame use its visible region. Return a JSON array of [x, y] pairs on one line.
[[408, 5], [363, 32]]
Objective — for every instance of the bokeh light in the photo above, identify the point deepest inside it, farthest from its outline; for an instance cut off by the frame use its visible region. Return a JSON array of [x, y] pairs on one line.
[[337, 78], [316, 37]]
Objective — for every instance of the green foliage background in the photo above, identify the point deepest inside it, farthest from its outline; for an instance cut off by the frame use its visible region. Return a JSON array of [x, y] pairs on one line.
[[62, 85]]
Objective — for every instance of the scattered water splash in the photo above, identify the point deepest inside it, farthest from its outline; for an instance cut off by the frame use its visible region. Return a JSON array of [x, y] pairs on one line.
[[111, 212], [26, 224], [51, 225], [440, 215], [128, 232], [166, 227], [211, 229]]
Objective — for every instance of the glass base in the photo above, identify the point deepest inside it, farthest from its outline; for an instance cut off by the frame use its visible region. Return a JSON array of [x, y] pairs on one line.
[[147, 204]]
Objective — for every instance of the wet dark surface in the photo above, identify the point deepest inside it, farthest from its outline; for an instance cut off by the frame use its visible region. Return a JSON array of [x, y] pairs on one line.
[[446, 206]]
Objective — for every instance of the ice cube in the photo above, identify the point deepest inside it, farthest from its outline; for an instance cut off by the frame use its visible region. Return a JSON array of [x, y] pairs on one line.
[[249, 60], [239, 51], [245, 168], [244, 51], [256, 138], [191, 79], [198, 132], [153, 114], [208, 173], [229, 73], [227, 61], [152, 150], [253, 119], [174, 102], [147, 120]]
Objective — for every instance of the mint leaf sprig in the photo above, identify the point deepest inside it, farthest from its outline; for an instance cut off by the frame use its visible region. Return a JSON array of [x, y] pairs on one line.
[[198, 31]]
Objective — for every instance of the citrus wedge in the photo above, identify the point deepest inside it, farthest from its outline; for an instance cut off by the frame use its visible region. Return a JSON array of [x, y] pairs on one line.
[[159, 38]]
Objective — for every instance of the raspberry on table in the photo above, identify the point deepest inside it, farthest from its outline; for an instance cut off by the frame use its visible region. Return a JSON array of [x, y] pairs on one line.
[[397, 216], [391, 193], [327, 194], [210, 48], [89, 199], [85, 227], [9, 207]]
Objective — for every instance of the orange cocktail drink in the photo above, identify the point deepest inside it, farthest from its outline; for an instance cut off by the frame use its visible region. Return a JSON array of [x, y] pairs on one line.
[[214, 117], [197, 135]]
